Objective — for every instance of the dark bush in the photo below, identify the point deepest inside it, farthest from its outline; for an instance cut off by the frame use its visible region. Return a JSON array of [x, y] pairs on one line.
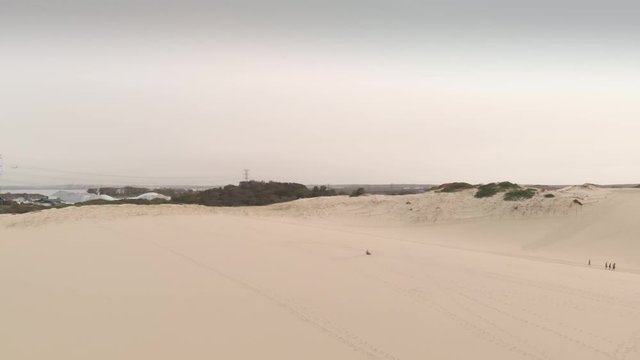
[[251, 193], [322, 191], [521, 194], [549, 196], [487, 190], [505, 185], [357, 192], [20, 208], [454, 187], [491, 189]]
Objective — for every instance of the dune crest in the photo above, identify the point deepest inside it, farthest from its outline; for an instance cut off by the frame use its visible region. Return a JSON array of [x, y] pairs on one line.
[[425, 208]]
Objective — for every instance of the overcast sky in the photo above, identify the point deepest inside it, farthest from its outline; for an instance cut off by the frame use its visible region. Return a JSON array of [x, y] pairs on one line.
[[348, 91]]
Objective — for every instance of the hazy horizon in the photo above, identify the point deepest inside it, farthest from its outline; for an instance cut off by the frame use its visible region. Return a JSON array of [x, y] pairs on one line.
[[332, 92], [373, 187]]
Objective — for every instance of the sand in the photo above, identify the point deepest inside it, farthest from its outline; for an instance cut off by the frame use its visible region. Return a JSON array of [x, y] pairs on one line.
[[450, 277]]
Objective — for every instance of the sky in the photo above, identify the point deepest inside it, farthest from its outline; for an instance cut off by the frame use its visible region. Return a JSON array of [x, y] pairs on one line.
[[319, 92]]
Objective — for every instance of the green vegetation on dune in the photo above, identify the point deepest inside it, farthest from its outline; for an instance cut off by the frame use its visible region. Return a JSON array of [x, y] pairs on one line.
[[489, 190], [521, 194], [20, 208], [250, 193], [513, 192], [549, 196], [506, 185], [454, 187]]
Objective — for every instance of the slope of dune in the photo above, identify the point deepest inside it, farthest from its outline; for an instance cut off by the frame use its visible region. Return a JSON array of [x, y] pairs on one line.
[[451, 277], [435, 207]]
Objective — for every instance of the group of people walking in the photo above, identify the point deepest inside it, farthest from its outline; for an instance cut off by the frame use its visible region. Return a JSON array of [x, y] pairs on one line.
[[607, 265]]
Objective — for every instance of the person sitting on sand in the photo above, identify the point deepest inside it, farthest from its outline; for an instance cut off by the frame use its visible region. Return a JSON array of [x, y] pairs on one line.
[[368, 253]]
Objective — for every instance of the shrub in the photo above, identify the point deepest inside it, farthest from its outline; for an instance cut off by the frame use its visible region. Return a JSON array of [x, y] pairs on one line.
[[549, 196], [487, 190], [505, 185], [357, 192], [454, 187], [491, 189], [250, 193], [20, 208], [520, 194]]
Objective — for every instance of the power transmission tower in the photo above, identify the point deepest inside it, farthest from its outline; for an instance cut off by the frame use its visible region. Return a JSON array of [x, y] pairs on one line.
[[246, 174]]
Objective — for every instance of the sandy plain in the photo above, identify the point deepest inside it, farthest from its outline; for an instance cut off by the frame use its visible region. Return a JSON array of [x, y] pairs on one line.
[[450, 277]]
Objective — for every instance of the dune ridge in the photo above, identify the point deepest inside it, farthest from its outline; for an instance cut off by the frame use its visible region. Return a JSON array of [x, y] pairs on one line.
[[420, 208]]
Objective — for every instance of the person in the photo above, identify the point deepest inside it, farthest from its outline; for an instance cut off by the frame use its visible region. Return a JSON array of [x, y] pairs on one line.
[[606, 265], [614, 266], [589, 262], [368, 253]]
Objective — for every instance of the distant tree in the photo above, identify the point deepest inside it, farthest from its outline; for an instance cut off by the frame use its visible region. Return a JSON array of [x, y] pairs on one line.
[[357, 192], [321, 191], [251, 193]]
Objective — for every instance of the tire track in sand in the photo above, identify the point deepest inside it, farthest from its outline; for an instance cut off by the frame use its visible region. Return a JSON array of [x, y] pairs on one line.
[[340, 334]]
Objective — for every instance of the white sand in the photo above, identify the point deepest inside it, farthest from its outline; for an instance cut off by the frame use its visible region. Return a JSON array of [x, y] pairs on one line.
[[451, 277]]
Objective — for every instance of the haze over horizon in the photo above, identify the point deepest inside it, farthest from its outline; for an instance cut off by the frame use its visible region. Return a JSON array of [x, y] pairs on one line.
[[332, 92]]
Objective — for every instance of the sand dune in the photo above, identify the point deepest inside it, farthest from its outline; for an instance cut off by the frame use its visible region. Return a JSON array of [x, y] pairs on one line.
[[451, 277]]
